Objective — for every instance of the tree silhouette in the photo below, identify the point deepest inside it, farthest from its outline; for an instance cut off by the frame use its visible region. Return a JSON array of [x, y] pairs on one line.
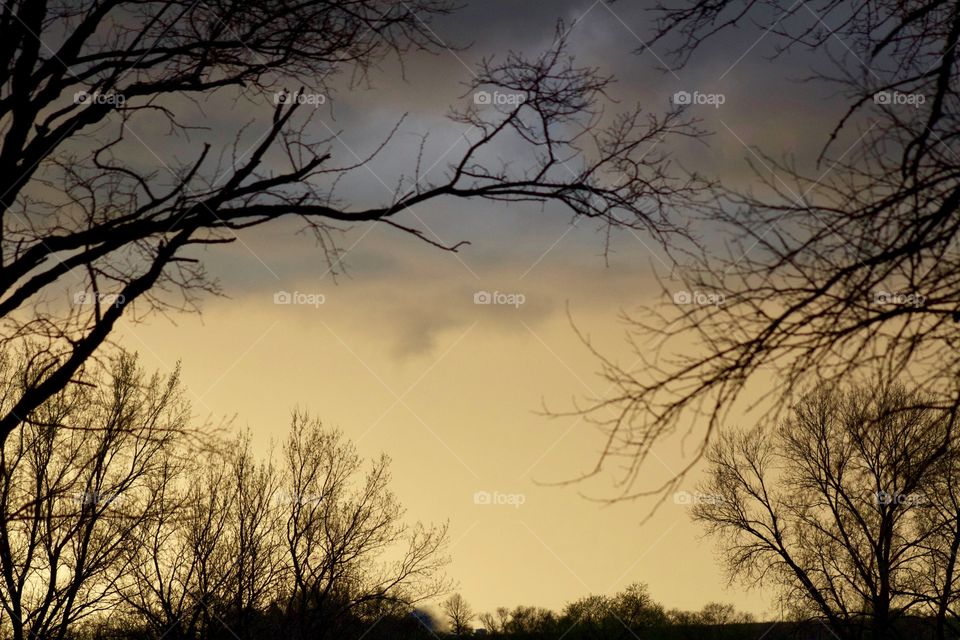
[[831, 272], [941, 519], [832, 505], [121, 515], [179, 573], [630, 613], [459, 614], [75, 483], [339, 519]]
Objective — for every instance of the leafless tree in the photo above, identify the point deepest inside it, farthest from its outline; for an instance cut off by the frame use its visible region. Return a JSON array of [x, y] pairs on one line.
[[941, 518], [503, 617], [307, 546], [459, 614], [489, 622], [719, 613], [254, 537], [213, 555], [833, 506], [832, 272], [180, 564], [340, 519], [75, 483], [81, 210], [497, 622]]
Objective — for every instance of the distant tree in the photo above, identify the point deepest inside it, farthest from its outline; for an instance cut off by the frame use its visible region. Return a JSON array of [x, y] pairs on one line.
[[459, 614], [588, 608], [545, 621], [718, 613], [252, 537], [679, 617], [636, 609], [497, 622], [503, 617], [489, 622], [627, 612], [589, 617], [311, 546], [832, 504], [531, 620]]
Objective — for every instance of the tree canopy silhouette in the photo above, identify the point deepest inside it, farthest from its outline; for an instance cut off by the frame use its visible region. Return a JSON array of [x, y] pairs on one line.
[[113, 517], [828, 273], [81, 210], [842, 506]]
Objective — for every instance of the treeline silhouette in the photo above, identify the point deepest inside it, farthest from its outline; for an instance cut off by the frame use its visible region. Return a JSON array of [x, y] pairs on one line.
[[634, 614], [121, 520], [631, 611], [849, 508]]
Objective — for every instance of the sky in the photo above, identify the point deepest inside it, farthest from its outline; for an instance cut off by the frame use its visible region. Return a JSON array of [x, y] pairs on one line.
[[390, 346]]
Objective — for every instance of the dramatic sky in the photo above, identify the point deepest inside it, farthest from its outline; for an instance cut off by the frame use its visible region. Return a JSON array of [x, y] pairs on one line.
[[401, 359]]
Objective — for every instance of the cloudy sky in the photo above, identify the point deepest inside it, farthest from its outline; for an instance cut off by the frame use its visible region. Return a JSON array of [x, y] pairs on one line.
[[400, 357]]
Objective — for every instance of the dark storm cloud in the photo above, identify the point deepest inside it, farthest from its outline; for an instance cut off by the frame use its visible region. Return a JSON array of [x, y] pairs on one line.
[[765, 107], [767, 104]]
